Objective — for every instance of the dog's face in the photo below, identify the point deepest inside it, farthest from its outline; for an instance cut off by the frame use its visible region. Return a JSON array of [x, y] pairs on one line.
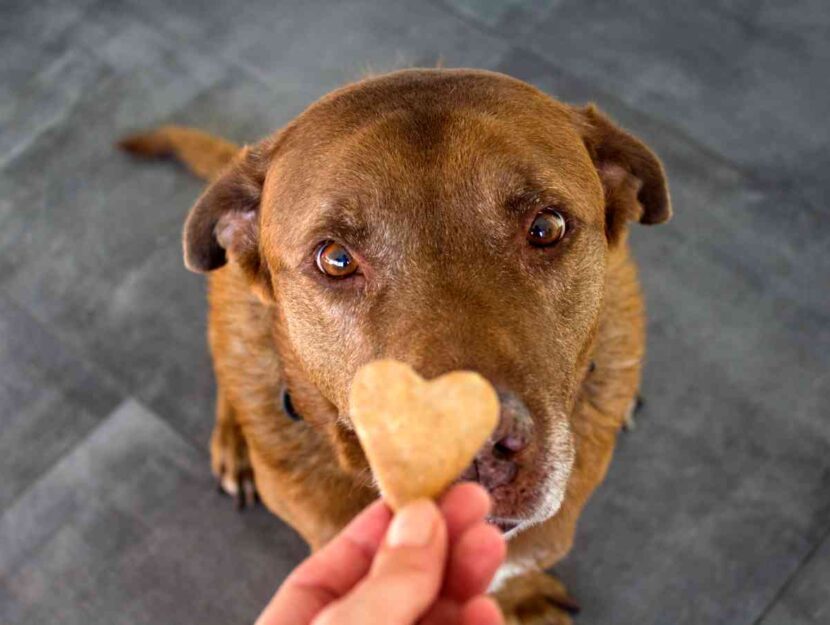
[[451, 220]]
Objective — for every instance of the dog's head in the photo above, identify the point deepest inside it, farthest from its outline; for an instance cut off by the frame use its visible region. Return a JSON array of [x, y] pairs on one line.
[[450, 219]]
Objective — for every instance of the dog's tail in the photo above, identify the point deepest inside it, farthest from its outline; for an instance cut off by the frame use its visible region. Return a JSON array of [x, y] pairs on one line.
[[203, 154]]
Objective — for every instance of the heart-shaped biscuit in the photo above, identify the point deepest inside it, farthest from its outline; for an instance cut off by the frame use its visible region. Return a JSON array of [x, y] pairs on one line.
[[419, 435]]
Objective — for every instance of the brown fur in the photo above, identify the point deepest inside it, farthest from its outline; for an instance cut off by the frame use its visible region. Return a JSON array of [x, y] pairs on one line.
[[425, 174]]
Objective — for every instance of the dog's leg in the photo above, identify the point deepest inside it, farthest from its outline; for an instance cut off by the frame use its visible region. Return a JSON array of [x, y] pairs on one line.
[[229, 455], [535, 598]]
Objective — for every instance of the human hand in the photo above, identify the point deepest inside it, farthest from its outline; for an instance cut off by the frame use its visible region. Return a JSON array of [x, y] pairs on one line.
[[428, 564]]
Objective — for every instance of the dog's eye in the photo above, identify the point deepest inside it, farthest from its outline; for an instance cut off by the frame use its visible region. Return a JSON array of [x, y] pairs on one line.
[[547, 228], [334, 260]]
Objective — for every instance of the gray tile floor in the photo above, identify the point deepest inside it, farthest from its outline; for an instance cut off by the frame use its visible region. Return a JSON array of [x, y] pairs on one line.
[[717, 509]]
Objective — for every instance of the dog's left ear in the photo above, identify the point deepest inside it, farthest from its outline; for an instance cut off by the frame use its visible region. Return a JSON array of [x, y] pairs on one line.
[[632, 176]]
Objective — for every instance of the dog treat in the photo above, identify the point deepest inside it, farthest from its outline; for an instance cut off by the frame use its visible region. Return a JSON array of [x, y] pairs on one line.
[[420, 435]]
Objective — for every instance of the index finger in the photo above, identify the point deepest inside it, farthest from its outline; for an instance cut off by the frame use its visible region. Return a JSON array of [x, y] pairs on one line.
[[331, 572]]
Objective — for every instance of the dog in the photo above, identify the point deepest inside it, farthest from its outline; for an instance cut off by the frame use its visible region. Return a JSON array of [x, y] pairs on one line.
[[450, 219]]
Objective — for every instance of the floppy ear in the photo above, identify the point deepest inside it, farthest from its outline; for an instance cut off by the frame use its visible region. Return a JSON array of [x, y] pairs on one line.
[[223, 225], [632, 175]]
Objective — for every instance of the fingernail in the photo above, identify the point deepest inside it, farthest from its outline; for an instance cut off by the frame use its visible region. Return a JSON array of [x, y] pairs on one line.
[[413, 525]]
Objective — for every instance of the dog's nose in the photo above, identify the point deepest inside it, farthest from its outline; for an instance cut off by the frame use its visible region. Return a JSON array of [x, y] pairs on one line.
[[496, 463]]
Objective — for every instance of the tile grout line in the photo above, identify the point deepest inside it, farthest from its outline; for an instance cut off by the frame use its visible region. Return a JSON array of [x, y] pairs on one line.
[[68, 452], [227, 61], [483, 28], [34, 135], [745, 172], [791, 578], [105, 378], [115, 383], [114, 413]]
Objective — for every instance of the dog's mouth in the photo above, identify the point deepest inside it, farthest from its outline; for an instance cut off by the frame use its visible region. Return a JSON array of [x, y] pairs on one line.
[[506, 526]]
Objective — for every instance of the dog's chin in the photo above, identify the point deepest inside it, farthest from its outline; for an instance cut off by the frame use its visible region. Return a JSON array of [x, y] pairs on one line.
[[512, 523], [507, 527]]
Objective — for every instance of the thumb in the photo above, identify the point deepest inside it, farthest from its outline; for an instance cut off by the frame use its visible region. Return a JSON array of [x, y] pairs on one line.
[[406, 574]]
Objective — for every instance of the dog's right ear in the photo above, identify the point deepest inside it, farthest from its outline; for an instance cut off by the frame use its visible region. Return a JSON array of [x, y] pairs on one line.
[[223, 225]]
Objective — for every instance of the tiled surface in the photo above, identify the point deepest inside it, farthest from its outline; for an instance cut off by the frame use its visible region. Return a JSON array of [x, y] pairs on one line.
[[128, 529], [806, 599], [744, 78], [717, 508], [50, 400], [310, 47], [730, 469]]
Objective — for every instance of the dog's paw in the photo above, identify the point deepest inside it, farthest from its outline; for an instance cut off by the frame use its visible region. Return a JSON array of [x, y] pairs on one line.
[[230, 464], [535, 599]]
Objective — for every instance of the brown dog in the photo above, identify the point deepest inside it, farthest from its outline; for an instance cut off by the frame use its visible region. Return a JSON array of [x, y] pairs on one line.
[[452, 219]]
